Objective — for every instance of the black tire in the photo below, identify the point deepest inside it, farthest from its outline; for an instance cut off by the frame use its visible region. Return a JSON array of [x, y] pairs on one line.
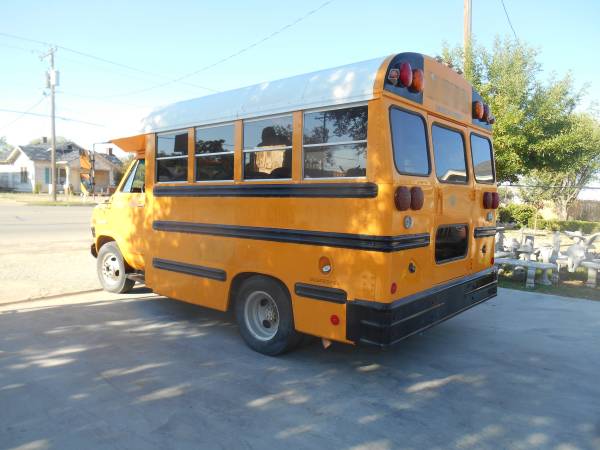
[[111, 270], [253, 292]]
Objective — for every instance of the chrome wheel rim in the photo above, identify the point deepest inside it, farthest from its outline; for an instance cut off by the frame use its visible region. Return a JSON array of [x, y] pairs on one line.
[[261, 315], [111, 271]]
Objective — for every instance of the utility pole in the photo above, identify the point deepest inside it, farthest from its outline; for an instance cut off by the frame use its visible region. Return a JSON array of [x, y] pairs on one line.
[[467, 23], [51, 83]]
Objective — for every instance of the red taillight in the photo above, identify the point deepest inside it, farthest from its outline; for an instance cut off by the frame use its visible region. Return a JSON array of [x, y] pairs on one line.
[[406, 74], [393, 288], [393, 76], [402, 198], [417, 198], [334, 319], [477, 110], [487, 200], [418, 80], [495, 200], [492, 260]]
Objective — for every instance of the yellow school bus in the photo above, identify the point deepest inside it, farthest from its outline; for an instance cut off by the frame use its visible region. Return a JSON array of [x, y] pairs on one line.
[[356, 204]]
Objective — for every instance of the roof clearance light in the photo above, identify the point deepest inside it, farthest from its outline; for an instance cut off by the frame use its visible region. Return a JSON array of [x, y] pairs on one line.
[[393, 76], [477, 110], [418, 80], [406, 74]]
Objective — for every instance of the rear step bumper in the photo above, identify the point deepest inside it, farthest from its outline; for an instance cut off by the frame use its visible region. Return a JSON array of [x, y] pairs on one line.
[[385, 324]]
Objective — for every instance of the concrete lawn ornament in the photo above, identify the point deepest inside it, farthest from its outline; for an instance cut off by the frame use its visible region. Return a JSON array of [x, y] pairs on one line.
[[581, 250]]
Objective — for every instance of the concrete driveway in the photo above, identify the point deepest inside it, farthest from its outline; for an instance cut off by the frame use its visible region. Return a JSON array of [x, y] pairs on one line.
[[44, 250], [139, 371]]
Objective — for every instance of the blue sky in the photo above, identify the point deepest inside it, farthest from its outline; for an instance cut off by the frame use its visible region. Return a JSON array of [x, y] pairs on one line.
[[168, 39]]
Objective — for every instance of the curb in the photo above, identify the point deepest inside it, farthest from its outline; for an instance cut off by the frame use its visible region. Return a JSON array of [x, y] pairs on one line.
[[35, 299]]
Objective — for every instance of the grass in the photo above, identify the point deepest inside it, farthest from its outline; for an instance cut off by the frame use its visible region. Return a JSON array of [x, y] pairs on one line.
[[571, 285], [45, 200]]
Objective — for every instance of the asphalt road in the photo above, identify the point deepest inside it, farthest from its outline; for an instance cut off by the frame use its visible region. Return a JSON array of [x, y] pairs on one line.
[[44, 250], [518, 372]]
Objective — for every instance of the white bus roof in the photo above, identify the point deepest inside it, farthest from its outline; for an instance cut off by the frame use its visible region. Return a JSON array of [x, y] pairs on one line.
[[340, 85]]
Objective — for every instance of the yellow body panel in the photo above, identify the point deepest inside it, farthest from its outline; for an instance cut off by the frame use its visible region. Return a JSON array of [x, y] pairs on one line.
[[362, 274]]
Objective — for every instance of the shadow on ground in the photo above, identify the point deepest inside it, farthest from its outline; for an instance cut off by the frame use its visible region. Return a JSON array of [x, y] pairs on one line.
[[156, 374]]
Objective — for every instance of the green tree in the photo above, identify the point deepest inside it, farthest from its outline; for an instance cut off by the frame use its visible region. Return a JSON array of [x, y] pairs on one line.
[[531, 116], [562, 185]]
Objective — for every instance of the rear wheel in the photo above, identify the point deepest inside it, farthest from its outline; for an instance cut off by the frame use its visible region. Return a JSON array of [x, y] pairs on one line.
[[110, 266], [264, 315]]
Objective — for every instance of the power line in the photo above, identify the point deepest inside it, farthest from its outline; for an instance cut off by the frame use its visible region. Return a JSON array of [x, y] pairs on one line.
[[231, 56], [66, 119], [508, 18], [97, 58], [24, 113]]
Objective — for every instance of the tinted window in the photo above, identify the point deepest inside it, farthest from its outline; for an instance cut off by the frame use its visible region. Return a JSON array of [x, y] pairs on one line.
[[481, 151], [449, 155], [171, 156], [214, 153], [276, 134], [338, 125], [171, 170], [268, 164], [268, 132], [334, 143], [451, 242], [214, 139], [335, 161], [409, 140], [172, 144]]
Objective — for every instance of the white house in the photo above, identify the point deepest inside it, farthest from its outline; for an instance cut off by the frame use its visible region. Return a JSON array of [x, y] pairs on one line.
[[28, 166]]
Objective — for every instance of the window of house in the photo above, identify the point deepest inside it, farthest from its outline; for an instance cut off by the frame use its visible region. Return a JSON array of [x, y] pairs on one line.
[[409, 141], [268, 148], [449, 155], [171, 156], [214, 153], [24, 175], [481, 152], [335, 143]]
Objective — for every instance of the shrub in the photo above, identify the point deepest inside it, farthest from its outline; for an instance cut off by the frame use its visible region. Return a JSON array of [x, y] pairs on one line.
[[516, 213], [567, 225], [37, 188]]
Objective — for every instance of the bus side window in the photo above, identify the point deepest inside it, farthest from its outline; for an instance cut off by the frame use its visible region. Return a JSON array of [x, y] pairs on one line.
[[128, 184], [268, 148], [481, 152], [139, 180], [171, 156], [335, 143]]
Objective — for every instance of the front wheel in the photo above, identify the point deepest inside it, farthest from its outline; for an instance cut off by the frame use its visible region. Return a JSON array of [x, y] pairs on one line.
[[264, 315], [110, 266]]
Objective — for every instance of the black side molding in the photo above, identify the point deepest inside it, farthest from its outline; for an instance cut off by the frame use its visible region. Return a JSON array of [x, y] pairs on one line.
[[309, 190], [321, 293], [189, 269], [484, 232], [330, 239]]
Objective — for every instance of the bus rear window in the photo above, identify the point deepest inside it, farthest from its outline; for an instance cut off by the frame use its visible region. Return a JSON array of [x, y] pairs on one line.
[[449, 155], [481, 151], [409, 140]]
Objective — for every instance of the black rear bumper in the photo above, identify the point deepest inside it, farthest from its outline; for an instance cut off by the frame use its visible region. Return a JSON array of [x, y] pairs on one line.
[[384, 324]]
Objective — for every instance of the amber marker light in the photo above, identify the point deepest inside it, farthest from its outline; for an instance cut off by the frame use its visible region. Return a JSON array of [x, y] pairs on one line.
[[486, 113], [418, 80], [477, 110]]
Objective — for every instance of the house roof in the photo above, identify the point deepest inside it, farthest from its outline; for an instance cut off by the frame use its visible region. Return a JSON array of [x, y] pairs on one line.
[[111, 159], [66, 151], [344, 84]]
